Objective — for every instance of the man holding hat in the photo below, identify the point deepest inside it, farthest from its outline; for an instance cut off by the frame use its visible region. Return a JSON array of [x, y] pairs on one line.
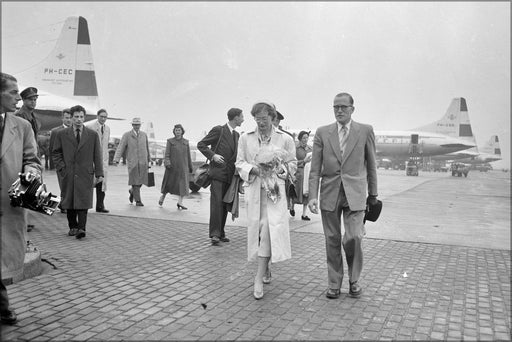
[[135, 143], [344, 157], [29, 97]]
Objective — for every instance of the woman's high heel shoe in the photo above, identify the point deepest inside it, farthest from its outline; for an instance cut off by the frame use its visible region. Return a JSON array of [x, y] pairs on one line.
[[181, 207], [161, 200], [258, 291]]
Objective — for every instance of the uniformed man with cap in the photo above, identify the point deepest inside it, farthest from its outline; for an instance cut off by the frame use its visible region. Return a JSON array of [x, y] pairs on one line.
[[29, 97], [277, 120]]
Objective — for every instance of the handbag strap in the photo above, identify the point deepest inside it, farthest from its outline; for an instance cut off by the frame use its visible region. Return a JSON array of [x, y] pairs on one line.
[[218, 141]]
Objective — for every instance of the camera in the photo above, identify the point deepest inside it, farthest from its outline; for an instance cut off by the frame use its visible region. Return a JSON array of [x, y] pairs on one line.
[[28, 192]]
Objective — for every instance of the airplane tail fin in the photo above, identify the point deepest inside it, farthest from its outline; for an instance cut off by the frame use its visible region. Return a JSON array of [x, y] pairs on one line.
[[492, 146], [455, 123], [68, 71]]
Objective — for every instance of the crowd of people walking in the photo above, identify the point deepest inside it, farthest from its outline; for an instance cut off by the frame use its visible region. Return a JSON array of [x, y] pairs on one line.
[[273, 171]]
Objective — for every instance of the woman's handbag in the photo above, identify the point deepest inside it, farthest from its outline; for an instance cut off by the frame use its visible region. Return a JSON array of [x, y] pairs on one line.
[[202, 174]]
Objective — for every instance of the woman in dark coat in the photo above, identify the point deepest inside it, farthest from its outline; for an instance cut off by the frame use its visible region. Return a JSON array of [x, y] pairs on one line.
[[303, 157], [178, 166]]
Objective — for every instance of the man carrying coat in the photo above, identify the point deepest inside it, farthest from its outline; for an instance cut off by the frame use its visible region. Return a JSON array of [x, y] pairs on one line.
[[77, 156], [18, 153], [344, 157], [135, 143], [222, 150]]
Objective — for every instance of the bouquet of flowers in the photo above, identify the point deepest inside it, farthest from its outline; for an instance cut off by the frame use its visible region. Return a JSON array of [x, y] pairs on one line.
[[272, 164]]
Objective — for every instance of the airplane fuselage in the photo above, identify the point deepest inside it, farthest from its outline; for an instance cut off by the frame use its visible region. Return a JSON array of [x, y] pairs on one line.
[[398, 144]]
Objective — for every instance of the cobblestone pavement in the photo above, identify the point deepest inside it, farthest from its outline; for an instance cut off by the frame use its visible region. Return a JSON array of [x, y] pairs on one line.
[[150, 279]]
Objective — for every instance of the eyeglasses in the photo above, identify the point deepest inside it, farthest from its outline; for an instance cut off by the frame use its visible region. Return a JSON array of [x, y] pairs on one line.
[[261, 118], [342, 107]]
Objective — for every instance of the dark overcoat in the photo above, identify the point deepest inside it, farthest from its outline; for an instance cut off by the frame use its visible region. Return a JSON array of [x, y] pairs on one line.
[[227, 147], [178, 167], [77, 165]]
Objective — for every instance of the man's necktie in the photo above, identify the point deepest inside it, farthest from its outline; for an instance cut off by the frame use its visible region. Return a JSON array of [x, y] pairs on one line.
[[78, 135], [343, 138], [102, 129]]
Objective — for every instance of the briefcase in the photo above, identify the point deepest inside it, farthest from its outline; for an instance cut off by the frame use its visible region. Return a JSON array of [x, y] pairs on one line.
[[151, 179]]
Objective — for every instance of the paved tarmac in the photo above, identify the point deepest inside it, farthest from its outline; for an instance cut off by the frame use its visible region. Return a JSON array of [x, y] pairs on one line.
[[437, 267]]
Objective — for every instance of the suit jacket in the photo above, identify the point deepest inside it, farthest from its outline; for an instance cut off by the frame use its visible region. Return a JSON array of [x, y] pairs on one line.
[[53, 134], [18, 153], [104, 138], [77, 164], [356, 170], [227, 148]]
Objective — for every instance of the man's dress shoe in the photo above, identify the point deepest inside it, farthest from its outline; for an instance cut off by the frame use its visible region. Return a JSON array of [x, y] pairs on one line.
[[355, 290], [224, 239], [130, 198], [80, 234], [102, 210], [9, 317], [139, 204], [333, 294], [215, 241], [72, 232]]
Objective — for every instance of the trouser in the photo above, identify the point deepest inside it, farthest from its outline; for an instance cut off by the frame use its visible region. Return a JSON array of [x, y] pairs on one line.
[[136, 192], [77, 218], [218, 209], [100, 196], [4, 299], [352, 241]]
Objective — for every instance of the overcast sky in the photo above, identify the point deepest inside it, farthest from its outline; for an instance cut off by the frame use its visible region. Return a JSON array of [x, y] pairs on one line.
[[188, 63]]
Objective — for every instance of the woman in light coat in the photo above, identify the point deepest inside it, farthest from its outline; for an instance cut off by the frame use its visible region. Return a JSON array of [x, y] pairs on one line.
[[268, 235], [178, 167]]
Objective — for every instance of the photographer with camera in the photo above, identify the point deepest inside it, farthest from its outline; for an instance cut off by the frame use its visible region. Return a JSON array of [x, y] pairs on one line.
[[18, 154]]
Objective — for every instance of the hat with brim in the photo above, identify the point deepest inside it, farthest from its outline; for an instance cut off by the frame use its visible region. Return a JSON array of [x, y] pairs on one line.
[[373, 211], [279, 116], [28, 93], [136, 121]]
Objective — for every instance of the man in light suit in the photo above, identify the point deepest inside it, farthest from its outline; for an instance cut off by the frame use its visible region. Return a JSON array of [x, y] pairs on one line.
[[78, 159], [104, 133], [344, 158], [223, 142], [18, 153]]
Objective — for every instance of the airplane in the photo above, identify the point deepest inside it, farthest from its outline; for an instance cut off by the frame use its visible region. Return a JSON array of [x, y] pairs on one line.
[[455, 123], [66, 77]]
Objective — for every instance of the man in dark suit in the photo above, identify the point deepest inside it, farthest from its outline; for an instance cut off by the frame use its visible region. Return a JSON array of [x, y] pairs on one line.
[[344, 157], [78, 158], [66, 122], [220, 147]]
